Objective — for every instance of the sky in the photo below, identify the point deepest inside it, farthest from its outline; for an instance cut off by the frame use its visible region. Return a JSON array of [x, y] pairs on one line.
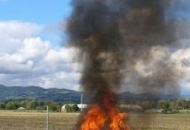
[[32, 48], [33, 51]]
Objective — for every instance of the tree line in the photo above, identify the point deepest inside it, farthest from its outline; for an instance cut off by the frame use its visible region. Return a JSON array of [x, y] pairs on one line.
[[30, 105], [167, 106]]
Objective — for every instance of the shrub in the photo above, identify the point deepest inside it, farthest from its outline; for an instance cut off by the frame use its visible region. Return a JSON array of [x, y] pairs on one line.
[[71, 108]]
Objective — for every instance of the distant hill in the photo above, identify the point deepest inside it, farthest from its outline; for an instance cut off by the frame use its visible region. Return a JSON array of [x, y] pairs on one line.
[[39, 93], [149, 96], [65, 95]]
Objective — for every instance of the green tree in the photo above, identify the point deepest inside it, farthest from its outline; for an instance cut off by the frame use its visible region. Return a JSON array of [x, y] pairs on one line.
[[72, 108], [54, 107], [11, 105], [159, 104], [31, 104], [75, 108], [174, 105], [68, 108], [2, 105], [166, 107]]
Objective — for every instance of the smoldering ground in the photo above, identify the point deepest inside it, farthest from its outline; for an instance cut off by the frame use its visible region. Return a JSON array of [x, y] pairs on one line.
[[124, 43]]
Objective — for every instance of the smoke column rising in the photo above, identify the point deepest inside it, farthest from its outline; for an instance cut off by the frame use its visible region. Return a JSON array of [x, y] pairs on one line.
[[115, 38]]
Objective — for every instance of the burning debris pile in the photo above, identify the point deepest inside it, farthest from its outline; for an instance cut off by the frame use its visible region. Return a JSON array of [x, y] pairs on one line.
[[104, 115], [114, 36]]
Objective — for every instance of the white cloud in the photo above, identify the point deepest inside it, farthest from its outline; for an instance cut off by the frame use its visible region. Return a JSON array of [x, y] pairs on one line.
[[29, 60], [59, 56], [34, 47], [181, 59], [13, 32], [18, 29], [61, 80], [25, 57]]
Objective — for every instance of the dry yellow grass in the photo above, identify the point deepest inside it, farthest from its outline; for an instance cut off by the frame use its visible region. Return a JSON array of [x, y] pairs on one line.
[[160, 121], [10, 120]]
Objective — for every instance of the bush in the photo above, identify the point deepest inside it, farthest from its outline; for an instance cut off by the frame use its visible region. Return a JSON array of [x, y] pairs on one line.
[[72, 108]]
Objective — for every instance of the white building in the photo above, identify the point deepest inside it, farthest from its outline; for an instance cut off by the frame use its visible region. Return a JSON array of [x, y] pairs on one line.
[[82, 106], [21, 109]]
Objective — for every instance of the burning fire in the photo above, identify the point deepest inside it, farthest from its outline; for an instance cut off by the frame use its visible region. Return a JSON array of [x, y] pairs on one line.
[[104, 116]]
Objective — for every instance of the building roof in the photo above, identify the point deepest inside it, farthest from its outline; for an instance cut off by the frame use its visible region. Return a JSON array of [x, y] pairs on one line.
[[21, 108]]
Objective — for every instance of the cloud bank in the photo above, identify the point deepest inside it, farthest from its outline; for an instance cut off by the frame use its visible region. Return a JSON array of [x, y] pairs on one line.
[[27, 59]]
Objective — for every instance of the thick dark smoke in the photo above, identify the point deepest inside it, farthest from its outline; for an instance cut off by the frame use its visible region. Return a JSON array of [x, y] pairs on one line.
[[123, 43], [115, 37]]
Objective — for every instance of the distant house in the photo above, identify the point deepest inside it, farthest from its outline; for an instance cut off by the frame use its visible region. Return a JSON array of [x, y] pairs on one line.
[[21, 109], [63, 109], [82, 106]]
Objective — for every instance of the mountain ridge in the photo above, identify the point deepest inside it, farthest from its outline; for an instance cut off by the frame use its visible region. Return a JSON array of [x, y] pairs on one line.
[[38, 93], [65, 95]]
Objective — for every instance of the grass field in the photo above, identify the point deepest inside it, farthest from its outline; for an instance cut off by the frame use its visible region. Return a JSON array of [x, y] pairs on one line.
[[10, 120]]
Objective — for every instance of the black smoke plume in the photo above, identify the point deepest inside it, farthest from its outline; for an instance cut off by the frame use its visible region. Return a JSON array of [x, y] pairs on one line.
[[114, 36], [117, 40]]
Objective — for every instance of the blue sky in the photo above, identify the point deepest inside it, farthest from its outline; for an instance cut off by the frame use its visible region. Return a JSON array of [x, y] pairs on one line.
[[32, 48], [179, 10], [38, 11], [44, 12]]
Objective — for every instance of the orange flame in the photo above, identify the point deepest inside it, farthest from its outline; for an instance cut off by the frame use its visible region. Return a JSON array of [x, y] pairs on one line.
[[101, 114], [94, 119]]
